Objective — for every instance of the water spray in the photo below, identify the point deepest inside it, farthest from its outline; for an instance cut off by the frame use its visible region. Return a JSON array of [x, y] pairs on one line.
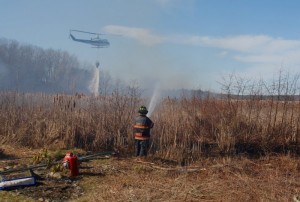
[[94, 84], [154, 99]]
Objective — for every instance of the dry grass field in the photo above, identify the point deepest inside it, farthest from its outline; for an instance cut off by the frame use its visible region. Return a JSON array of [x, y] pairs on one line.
[[202, 149]]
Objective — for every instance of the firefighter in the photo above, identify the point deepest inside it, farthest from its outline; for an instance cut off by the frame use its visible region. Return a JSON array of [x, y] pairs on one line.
[[141, 130]]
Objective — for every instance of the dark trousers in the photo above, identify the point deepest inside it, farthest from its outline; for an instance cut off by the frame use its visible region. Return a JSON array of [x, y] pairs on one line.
[[141, 147]]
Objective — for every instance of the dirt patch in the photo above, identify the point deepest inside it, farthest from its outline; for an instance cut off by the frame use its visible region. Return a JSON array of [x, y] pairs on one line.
[[58, 188], [55, 190]]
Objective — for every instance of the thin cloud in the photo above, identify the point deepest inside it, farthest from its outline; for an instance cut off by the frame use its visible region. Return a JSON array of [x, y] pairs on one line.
[[223, 54], [244, 43], [163, 2], [242, 48], [288, 57], [240, 43], [250, 48], [260, 58], [144, 36]]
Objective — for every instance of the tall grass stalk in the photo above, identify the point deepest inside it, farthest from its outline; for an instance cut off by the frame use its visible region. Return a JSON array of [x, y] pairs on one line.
[[249, 117]]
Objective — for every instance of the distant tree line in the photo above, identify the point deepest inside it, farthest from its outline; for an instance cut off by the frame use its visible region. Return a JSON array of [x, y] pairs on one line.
[[28, 68]]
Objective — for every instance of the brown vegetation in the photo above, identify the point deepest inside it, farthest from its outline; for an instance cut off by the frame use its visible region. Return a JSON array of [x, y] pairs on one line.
[[186, 129], [241, 146]]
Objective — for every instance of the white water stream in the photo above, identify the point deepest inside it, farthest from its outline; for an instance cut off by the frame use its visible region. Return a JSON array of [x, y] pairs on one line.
[[94, 84], [154, 99]]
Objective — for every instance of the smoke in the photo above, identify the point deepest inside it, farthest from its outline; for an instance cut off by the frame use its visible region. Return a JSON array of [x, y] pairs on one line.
[[3, 69], [5, 78], [94, 83], [154, 99]]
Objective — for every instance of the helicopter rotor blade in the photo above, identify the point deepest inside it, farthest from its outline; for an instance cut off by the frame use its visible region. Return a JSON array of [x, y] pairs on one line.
[[74, 30]]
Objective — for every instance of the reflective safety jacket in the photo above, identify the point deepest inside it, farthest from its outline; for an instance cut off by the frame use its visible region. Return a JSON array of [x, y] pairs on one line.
[[141, 127]]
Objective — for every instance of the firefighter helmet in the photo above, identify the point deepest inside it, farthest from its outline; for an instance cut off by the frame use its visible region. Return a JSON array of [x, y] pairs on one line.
[[143, 110]]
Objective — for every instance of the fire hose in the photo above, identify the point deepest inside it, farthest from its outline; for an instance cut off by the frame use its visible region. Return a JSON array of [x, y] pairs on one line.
[[80, 159]]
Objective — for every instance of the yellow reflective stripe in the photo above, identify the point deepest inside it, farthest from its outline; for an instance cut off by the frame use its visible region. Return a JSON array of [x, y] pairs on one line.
[[140, 126], [141, 138], [138, 134]]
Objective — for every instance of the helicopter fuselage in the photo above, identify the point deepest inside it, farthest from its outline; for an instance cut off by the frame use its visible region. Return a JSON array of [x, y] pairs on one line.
[[97, 42]]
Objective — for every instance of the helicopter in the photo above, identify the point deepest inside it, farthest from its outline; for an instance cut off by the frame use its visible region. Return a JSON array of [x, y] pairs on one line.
[[96, 42]]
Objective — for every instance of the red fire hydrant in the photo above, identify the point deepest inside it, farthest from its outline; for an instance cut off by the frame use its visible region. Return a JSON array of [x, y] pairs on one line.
[[71, 162]]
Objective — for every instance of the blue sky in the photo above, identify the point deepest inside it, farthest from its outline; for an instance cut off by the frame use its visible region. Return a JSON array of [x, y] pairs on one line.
[[178, 43]]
